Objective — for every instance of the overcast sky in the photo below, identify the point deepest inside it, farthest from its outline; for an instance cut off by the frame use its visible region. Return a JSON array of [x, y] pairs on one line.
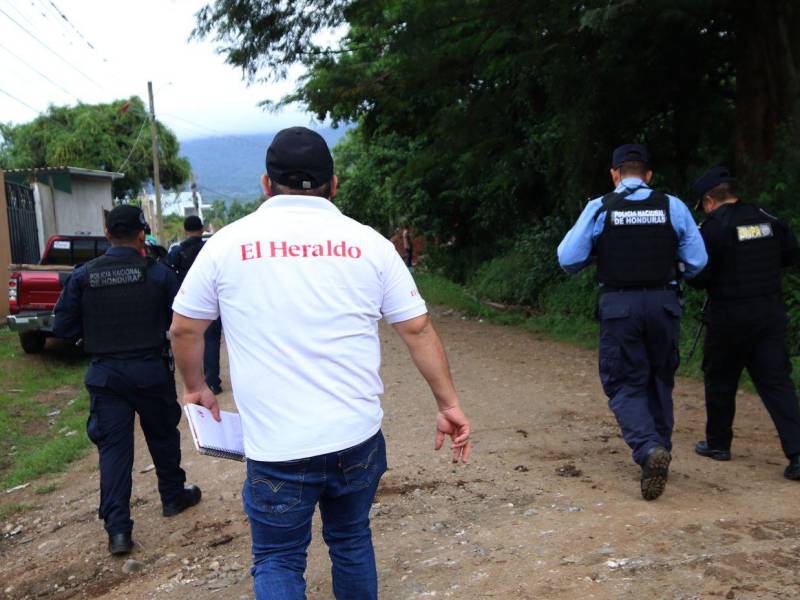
[[196, 93]]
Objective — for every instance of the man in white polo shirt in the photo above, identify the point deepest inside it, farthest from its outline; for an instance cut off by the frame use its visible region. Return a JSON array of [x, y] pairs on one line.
[[300, 288]]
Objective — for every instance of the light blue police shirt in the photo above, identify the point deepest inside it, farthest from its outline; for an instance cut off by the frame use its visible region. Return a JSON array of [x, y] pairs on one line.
[[575, 249]]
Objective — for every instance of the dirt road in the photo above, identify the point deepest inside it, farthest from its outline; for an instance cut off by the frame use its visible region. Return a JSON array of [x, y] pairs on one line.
[[549, 507]]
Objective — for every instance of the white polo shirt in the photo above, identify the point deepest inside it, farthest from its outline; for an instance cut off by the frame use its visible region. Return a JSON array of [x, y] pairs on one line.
[[301, 288]]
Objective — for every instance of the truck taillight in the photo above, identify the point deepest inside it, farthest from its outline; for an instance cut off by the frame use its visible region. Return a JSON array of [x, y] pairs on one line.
[[13, 293]]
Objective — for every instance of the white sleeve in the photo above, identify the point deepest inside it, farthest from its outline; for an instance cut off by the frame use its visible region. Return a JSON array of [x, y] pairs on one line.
[[401, 299], [197, 298]]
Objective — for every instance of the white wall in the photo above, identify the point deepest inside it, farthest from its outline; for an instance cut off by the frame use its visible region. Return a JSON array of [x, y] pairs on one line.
[[82, 211]]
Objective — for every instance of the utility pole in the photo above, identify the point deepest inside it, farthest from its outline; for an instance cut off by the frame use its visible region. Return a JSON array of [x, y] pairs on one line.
[[195, 200], [159, 233]]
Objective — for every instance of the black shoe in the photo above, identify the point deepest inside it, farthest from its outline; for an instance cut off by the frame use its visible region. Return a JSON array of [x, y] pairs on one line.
[[655, 471], [793, 470], [217, 389], [120, 543], [703, 449], [191, 495]]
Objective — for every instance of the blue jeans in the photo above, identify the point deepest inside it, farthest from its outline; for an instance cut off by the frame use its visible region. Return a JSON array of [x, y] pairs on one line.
[[279, 499]]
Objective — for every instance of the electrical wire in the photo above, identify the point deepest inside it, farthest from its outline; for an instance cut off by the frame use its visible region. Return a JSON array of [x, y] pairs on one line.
[[2, 91], [48, 48], [78, 31], [37, 71], [20, 13], [133, 147]]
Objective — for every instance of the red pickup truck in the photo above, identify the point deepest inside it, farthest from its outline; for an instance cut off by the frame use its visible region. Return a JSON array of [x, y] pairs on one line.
[[33, 290]]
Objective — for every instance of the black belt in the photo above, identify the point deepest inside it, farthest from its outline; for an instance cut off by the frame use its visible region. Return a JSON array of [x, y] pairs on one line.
[[640, 288]]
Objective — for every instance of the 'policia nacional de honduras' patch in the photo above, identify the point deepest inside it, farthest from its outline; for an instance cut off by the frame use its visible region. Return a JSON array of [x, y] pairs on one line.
[[759, 231], [639, 217], [118, 276]]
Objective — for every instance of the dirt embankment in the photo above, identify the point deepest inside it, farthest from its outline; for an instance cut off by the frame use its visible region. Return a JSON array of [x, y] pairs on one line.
[[549, 507]]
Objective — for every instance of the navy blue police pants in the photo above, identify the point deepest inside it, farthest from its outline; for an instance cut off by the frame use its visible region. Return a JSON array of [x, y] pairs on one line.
[[212, 339], [749, 334], [639, 332], [118, 389]]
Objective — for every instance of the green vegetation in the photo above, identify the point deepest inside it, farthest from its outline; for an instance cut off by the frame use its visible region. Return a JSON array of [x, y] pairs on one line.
[[43, 412], [487, 125], [96, 136], [6, 510], [46, 489]]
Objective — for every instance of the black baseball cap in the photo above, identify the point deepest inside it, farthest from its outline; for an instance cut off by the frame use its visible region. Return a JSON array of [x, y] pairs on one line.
[[299, 158], [125, 219], [630, 153], [192, 223], [709, 180]]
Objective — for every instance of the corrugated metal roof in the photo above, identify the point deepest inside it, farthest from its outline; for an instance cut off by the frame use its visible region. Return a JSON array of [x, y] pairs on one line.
[[70, 170]]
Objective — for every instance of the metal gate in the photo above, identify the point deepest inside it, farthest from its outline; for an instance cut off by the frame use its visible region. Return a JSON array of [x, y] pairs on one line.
[[22, 223]]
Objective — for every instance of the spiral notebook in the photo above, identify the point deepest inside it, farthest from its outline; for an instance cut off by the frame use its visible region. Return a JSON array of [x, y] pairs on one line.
[[222, 439]]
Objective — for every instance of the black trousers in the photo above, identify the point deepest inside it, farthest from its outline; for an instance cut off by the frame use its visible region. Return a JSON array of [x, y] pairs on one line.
[[117, 390], [749, 334]]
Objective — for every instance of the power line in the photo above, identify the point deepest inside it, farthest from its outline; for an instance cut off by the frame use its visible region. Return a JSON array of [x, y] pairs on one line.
[[20, 101], [78, 31], [35, 70], [20, 13], [133, 147], [49, 49]]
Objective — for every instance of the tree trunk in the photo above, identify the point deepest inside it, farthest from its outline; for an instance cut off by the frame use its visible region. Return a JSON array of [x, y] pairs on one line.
[[767, 75]]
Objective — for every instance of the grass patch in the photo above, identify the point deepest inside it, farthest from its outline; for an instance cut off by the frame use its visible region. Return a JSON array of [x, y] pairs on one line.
[[567, 315], [46, 489], [41, 403], [6, 510]]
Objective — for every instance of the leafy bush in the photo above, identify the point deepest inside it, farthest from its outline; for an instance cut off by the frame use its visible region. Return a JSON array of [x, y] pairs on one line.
[[523, 274]]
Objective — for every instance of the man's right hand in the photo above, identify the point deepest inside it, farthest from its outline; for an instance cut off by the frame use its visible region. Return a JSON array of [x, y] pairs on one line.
[[205, 398], [453, 422]]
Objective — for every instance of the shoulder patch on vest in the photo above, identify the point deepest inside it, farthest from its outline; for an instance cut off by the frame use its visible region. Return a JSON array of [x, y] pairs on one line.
[[122, 275], [639, 217], [758, 231]]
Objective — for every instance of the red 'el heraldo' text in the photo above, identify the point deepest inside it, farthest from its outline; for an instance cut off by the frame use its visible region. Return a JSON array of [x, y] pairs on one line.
[[255, 250]]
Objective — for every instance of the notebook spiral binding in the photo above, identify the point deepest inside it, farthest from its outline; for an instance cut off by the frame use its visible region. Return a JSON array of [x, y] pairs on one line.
[[219, 453]]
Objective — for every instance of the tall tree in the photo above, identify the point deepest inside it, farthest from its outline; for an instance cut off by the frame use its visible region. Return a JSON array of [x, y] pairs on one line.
[[110, 137]]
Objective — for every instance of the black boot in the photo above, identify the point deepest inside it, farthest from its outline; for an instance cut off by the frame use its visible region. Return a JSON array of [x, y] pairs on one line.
[[703, 449], [120, 543], [189, 497], [655, 472], [793, 470]]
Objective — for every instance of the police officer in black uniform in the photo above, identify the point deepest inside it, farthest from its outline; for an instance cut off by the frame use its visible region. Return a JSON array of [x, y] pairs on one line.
[[181, 258], [120, 304], [746, 317]]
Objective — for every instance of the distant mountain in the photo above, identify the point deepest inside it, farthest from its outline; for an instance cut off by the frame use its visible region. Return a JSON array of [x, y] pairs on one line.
[[230, 167]]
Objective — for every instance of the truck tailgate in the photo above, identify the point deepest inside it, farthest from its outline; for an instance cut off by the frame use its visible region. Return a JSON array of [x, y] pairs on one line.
[[39, 290]]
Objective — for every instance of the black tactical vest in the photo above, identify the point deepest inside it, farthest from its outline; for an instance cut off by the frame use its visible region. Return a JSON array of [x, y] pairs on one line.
[[123, 310], [749, 262], [638, 246]]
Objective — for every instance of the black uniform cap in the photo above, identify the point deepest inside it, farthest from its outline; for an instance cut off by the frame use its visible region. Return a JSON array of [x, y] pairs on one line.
[[192, 223], [125, 219], [299, 159], [709, 180], [630, 153]]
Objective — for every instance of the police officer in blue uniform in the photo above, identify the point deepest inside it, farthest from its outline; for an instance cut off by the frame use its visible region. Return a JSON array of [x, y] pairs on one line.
[[181, 258], [120, 304], [746, 318], [639, 236]]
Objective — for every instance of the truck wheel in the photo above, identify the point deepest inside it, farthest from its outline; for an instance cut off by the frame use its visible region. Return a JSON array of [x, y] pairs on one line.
[[32, 342]]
